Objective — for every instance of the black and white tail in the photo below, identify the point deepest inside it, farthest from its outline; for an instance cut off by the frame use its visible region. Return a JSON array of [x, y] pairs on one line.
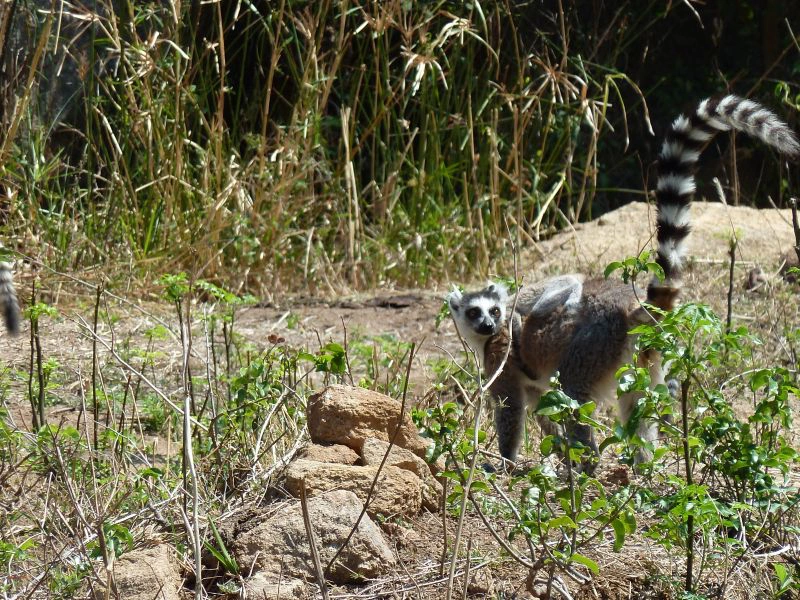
[[677, 164], [8, 299]]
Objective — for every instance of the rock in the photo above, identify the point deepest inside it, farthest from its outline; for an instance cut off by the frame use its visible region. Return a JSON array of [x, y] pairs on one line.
[[372, 453], [331, 453], [616, 476], [261, 587], [481, 583], [537, 586], [756, 279], [276, 543], [347, 415], [147, 574], [398, 491]]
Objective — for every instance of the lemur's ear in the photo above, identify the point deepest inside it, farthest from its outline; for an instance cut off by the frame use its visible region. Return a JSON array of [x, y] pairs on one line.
[[500, 289], [454, 299]]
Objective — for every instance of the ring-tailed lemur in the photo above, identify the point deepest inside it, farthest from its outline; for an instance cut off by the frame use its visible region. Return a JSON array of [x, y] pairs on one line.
[[578, 326], [8, 299]]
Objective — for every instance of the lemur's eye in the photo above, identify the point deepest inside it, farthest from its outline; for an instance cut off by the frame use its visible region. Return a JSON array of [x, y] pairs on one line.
[[495, 312], [473, 313]]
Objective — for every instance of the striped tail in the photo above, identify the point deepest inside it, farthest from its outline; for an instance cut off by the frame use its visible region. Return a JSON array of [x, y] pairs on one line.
[[677, 164], [8, 299]]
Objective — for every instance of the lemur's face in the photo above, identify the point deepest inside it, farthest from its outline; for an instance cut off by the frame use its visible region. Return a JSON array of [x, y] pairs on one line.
[[479, 314]]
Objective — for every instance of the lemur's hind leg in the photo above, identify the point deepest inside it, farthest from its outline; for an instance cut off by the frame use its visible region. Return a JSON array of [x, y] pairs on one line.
[[589, 363], [648, 426], [548, 426]]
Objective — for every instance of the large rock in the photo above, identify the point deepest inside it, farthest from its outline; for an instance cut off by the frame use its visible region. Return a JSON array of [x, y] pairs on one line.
[[330, 453], [398, 491], [276, 542], [347, 415], [147, 574], [372, 453]]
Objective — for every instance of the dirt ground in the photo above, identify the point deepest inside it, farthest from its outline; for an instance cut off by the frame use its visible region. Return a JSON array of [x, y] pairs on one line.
[[409, 315], [763, 236]]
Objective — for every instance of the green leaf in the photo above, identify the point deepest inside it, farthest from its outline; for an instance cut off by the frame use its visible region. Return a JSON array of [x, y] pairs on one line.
[[586, 562], [576, 453], [479, 486], [781, 572], [563, 522], [614, 266], [610, 440], [656, 270], [619, 534]]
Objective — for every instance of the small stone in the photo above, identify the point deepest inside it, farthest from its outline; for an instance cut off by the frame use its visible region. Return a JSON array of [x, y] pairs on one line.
[[261, 587], [481, 582], [398, 492], [347, 415], [276, 542], [329, 453]]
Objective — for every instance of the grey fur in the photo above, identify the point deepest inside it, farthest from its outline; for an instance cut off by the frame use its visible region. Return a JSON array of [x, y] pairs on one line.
[[578, 327], [479, 315], [8, 299]]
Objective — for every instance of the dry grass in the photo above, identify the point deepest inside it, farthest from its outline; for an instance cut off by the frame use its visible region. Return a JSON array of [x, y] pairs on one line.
[[130, 482]]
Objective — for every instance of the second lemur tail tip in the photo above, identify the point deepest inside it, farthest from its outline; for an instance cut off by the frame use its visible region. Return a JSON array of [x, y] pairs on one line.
[[8, 300]]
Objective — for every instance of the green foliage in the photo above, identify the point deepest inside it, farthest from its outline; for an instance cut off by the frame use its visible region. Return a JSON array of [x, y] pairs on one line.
[[36, 311], [784, 579], [118, 539], [11, 441], [631, 267], [569, 414], [175, 286], [154, 413], [384, 360], [743, 463], [329, 359], [65, 582], [220, 552], [566, 515], [441, 424], [14, 552], [443, 313], [264, 416]]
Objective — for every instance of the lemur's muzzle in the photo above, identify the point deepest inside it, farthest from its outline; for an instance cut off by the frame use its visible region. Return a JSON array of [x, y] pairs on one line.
[[486, 327]]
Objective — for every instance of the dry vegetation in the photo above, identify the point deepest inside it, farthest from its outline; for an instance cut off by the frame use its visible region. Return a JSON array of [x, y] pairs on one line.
[[164, 161], [76, 495]]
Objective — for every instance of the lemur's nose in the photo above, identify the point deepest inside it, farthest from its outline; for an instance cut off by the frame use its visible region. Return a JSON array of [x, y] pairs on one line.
[[486, 327]]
